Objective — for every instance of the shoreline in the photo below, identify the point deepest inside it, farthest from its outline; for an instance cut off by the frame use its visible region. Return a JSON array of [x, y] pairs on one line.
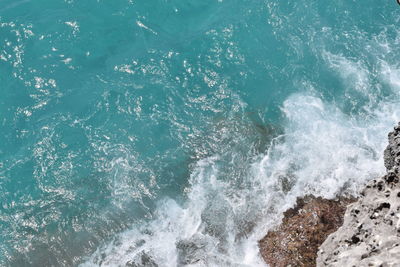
[[323, 232]]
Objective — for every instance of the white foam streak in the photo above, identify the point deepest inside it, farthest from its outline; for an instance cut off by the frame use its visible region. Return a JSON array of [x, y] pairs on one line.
[[353, 73], [391, 76]]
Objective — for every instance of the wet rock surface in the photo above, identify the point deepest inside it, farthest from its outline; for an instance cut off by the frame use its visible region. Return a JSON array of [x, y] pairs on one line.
[[295, 242], [370, 235]]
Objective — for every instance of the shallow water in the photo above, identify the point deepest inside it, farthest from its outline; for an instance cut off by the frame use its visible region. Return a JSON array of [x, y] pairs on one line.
[[174, 133]]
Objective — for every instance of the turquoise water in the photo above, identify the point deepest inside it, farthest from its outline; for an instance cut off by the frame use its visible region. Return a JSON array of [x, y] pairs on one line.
[[173, 133]]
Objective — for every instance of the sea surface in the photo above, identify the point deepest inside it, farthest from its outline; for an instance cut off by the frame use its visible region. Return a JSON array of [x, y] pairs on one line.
[[176, 132]]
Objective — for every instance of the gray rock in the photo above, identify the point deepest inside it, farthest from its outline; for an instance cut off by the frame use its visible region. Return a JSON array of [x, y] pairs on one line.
[[392, 152], [370, 234]]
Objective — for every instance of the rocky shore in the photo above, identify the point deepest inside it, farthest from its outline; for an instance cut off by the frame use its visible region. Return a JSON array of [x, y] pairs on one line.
[[295, 242], [321, 232]]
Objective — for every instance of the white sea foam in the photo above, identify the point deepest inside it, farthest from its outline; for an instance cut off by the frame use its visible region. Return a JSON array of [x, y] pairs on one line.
[[353, 73]]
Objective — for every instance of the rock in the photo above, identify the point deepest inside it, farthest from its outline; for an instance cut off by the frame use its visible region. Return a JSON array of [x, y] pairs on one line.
[[392, 151], [295, 242], [370, 234]]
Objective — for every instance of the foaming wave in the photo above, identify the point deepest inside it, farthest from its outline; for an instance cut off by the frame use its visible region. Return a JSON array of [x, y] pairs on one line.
[[323, 152], [326, 150], [202, 232]]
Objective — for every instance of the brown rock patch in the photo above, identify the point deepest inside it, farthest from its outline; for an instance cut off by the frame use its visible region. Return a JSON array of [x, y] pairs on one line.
[[304, 228]]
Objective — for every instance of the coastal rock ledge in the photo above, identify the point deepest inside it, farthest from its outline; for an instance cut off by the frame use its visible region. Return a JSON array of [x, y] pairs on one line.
[[321, 232], [370, 234], [295, 242]]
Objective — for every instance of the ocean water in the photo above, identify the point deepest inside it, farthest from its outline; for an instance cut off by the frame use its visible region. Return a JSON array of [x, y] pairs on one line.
[[175, 133]]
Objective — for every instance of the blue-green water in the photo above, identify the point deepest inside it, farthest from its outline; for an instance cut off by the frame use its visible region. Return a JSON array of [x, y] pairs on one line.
[[173, 133]]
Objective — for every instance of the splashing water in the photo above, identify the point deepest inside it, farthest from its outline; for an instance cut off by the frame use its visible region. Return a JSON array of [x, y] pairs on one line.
[[151, 133]]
